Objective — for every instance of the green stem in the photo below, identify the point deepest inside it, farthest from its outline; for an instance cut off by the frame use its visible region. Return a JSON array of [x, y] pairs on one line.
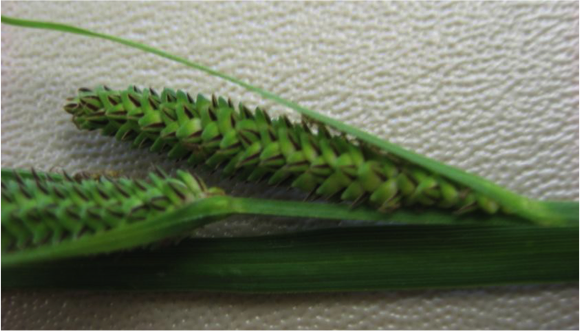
[[345, 212], [343, 259]]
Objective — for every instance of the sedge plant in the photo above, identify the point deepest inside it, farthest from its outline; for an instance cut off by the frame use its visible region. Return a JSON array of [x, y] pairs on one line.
[[350, 164]]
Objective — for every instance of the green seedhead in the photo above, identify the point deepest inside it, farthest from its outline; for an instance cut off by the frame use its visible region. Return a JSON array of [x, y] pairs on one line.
[[46, 211], [52, 216], [488, 194], [254, 146]]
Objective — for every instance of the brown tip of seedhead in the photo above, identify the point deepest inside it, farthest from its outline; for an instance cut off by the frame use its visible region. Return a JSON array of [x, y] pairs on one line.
[[63, 236], [76, 123], [335, 197], [120, 113], [246, 111], [140, 185], [188, 111], [106, 88], [177, 191], [358, 201], [306, 127], [120, 189], [82, 231], [322, 129], [294, 142], [136, 89], [91, 106], [68, 177], [71, 108], [137, 208], [153, 200], [286, 121], [272, 134], [153, 92], [159, 125], [134, 101], [312, 194], [212, 114], [58, 192], [85, 89], [160, 172], [25, 192], [97, 115], [199, 181], [72, 214], [465, 209], [247, 160], [143, 142], [267, 117], [34, 174], [189, 98], [80, 193], [79, 177], [33, 215], [18, 178], [244, 138], [42, 187], [126, 135], [114, 213], [102, 193], [49, 177], [93, 213], [166, 112], [112, 100], [152, 103]]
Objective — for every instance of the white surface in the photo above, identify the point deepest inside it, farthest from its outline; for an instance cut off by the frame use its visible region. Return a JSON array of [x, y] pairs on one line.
[[491, 88]]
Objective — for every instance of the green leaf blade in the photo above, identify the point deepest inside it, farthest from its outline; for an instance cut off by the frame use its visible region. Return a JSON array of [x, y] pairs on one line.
[[344, 259]]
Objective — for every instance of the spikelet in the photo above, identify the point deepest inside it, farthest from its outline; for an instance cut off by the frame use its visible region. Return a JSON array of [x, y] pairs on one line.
[[255, 147], [42, 211]]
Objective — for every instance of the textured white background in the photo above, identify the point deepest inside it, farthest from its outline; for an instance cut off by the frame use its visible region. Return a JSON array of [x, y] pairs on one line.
[[489, 87]]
